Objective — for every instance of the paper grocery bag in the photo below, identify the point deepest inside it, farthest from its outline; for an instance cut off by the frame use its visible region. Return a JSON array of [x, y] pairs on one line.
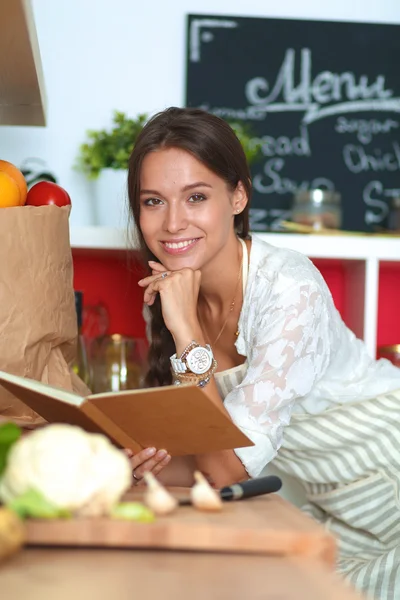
[[38, 325]]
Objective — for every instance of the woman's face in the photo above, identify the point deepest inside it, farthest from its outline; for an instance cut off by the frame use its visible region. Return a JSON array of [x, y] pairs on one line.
[[186, 210]]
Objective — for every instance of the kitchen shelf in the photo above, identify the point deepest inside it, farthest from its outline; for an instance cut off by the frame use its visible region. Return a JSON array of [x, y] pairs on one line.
[[347, 247], [22, 94], [361, 256], [99, 238]]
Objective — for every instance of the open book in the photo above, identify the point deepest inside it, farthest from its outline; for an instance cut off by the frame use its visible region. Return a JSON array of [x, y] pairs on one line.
[[181, 419]]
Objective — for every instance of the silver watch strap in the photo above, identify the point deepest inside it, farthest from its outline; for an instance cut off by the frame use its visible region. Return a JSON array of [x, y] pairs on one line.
[[177, 365]]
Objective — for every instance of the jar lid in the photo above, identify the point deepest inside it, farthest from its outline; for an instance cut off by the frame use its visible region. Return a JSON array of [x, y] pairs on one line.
[[393, 349], [317, 196], [396, 202]]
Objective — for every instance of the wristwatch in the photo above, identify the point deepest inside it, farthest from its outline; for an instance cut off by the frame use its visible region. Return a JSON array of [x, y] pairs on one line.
[[195, 359]]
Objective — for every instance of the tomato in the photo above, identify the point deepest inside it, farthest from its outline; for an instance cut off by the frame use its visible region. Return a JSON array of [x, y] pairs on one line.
[[46, 192]]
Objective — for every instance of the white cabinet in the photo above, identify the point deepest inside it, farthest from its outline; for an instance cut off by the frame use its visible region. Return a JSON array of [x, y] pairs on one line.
[[360, 255], [22, 95]]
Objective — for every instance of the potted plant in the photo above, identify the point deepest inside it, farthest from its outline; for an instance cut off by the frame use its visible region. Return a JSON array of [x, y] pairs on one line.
[[104, 158], [250, 144]]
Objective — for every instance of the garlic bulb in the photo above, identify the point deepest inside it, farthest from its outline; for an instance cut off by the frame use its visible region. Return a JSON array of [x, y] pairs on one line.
[[203, 496], [157, 498]]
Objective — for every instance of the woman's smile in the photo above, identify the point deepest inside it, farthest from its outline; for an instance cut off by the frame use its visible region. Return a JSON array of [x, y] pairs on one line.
[[179, 246]]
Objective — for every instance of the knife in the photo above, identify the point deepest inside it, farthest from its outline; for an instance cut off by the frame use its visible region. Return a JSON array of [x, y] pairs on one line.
[[246, 489]]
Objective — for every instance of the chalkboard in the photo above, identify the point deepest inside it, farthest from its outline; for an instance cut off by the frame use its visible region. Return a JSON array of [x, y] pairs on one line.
[[322, 97]]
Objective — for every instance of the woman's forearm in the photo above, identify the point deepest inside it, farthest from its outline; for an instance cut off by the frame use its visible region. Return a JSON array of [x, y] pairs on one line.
[[223, 467], [179, 472], [220, 468]]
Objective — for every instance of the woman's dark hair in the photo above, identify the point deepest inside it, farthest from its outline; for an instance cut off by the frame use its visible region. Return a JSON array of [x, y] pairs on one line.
[[211, 141]]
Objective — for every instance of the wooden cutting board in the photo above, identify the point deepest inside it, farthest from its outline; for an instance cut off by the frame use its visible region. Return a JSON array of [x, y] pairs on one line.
[[263, 525]]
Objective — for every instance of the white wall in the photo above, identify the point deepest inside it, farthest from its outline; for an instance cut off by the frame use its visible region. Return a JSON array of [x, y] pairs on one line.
[[98, 55]]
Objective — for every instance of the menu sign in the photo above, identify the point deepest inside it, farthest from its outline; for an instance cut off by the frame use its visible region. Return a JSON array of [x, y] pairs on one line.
[[322, 99]]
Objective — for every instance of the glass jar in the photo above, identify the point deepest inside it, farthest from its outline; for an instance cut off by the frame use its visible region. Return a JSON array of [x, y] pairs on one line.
[[392, 353], [319, 209], [117, 363]]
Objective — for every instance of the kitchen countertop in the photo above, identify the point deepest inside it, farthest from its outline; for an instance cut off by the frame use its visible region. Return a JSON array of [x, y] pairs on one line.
[[61, 573], [48, 574]]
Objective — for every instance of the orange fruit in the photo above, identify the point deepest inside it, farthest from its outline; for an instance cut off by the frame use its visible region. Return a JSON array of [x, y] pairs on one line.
[[15, 174], [10, 194]]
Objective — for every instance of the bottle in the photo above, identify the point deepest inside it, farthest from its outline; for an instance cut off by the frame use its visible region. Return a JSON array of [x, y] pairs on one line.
[[118, 363], [320, 209], [80, 365]]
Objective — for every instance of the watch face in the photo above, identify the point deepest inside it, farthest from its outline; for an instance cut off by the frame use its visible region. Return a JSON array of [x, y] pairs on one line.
[[199, 360]]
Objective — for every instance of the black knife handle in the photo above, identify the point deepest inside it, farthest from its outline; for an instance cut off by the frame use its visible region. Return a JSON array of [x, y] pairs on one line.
[[252, 487]]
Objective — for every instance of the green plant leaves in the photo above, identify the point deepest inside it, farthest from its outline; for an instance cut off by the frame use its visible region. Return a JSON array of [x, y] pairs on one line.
[[110, 148], [34, 505], [9, 434], [250, 143]]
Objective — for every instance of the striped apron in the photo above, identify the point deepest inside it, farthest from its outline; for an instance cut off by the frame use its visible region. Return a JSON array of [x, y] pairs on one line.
[[348, 460]]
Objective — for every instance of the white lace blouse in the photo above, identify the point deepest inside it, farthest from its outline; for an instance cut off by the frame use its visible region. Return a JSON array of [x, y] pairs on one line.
[[300, 356]]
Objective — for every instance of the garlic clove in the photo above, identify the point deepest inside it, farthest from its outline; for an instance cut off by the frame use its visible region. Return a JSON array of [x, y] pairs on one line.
[[157, 498], [203, 496]]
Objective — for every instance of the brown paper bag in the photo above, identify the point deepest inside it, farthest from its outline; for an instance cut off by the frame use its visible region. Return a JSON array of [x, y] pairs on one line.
[[38, 325]]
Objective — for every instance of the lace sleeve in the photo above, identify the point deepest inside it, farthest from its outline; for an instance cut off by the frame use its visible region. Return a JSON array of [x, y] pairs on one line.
[[289, 351]]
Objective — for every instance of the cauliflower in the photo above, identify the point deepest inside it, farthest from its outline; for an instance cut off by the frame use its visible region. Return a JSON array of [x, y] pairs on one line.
[[77, 471]]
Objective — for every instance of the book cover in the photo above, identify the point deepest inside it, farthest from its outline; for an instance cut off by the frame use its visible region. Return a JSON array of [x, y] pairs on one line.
[[181, 419]]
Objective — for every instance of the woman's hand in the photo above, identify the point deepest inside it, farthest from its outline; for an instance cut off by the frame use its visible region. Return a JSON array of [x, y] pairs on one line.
[[148, 459], [179, 291]]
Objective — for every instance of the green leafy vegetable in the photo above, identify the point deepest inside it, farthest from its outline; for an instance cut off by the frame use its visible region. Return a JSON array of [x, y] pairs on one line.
[[132, 511], [33, 504], [9, 434]]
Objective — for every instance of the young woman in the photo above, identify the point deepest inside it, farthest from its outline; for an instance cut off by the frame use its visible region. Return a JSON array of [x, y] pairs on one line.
[[256, 327]]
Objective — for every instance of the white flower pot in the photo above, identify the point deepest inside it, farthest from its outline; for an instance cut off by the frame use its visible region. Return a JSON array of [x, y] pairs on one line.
[[111, 207]]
